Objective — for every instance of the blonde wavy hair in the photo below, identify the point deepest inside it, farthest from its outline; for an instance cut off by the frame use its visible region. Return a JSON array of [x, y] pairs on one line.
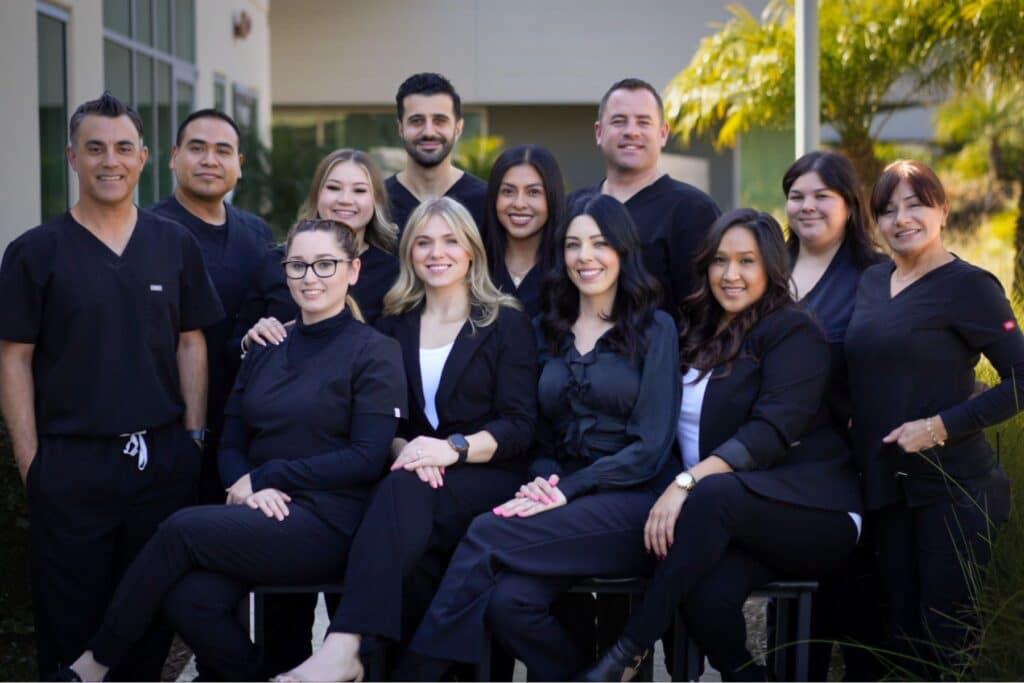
[[408, 292], [381, 232]]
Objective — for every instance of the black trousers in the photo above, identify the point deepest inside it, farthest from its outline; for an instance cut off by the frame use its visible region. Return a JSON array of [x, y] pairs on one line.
[[729, 541], [197, 567], [405, 541], [91, 509], [507, 572], [930, 559]]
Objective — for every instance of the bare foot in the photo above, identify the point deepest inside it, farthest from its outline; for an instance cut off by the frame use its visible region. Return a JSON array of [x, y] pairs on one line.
[[88, 669], [336, 660]]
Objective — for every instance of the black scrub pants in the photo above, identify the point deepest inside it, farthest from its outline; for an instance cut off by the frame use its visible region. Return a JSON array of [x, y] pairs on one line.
[[200, 564], [507, 573], [930, 559], [729, 541], [404, 543], [91, 509]]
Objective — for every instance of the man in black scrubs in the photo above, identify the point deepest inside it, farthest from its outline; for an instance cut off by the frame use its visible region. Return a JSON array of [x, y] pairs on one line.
[[207, 164], [430, 123], [672, 217], [102, 383]]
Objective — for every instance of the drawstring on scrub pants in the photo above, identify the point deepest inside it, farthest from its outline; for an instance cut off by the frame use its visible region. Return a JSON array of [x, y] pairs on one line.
[[136, 447]]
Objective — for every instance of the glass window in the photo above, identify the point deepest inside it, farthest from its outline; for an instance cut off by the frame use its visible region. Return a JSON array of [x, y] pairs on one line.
[[144, 21], [53, 116], [220, 95], [117, 70], [184, 104], [145, 106], [185, 30], [160, 148], [163, 25], [245, 110], [117, 16]]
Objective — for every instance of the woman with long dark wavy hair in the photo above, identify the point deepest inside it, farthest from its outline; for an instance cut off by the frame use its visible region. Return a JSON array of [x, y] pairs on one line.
[[525, 206], [765, 486], [609, 398]]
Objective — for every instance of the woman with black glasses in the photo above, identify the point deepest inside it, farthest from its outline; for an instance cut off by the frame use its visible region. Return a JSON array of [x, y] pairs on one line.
[[306, 435]]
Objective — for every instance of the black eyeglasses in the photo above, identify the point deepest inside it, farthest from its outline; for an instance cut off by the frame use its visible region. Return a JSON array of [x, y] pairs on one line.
[[325, 267]]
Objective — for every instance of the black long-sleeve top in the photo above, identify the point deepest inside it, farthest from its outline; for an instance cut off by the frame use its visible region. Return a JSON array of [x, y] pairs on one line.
[[377, 274], [315, 416], [611, 420], [913, 356], [528, 292]]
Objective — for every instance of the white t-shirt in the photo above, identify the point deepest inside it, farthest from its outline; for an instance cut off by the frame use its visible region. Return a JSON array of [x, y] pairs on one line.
[[431, 366]]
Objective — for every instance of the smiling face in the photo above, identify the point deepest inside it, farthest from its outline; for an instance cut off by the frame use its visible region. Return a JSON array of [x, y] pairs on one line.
[[108, 156], [347, 196], [591, 261], [736, 274], [817, 215], [429, 129], [522, 206], [439, 260], [631, 132], [207, 165], [320, 298], [909, 226]]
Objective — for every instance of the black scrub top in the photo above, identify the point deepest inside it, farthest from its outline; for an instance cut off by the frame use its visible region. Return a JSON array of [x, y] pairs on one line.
[[610, 421], [377, 274], [831, 302], [292, 411], [468, 190], [913, 356], [233, 254], [267, 298], [528, 292], [672, 218], [105, 327]]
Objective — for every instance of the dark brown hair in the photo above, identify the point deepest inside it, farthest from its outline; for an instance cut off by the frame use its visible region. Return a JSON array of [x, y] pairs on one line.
[[631, 84], [922, 180], [702, 345]]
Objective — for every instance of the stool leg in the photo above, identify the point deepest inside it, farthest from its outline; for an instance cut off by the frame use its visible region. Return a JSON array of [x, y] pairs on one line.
[[783, 635], [257, 618], [803, 636]]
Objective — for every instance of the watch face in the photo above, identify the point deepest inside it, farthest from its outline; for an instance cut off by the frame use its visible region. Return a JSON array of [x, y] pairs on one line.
[[458, 442]]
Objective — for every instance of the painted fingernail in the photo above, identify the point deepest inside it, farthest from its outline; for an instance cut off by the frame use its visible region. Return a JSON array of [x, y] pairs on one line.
[[534, 498]]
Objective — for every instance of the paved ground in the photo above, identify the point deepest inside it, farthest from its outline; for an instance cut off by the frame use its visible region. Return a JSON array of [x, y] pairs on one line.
[[181, 657]]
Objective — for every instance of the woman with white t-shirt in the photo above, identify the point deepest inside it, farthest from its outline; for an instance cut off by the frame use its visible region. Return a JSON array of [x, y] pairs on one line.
[[766, 487], [471, 365]]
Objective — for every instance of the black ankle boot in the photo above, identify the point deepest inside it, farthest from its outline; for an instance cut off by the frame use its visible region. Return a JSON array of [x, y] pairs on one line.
[[621, 662]]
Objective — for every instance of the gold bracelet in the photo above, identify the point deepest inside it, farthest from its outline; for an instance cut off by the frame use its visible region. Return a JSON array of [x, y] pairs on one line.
[[931, 432]]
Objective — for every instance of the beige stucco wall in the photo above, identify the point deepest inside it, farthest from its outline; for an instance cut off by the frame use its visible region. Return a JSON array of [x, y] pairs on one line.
[[243, 61], [526, 52], [246, 62]]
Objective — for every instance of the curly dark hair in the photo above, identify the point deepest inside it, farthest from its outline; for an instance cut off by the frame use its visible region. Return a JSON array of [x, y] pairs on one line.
[[637, 293], [704, 342]]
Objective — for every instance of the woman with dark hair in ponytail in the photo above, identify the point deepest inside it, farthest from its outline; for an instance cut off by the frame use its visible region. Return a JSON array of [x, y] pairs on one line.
[[609, 395], [765, 486], [306, 435]]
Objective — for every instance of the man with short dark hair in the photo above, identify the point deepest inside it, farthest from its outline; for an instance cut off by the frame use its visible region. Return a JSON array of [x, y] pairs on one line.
[[236, 246], [672, 217], [430, 124], [102, 383]]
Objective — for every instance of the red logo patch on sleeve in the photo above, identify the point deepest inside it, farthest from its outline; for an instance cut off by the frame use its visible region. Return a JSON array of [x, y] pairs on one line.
[[1009, 325]]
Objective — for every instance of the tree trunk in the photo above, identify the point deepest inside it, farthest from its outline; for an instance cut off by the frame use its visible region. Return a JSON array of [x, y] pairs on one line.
[[859, 148]]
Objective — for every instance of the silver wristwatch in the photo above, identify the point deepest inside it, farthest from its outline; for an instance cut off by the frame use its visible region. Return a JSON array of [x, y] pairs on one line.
[[685, 481]]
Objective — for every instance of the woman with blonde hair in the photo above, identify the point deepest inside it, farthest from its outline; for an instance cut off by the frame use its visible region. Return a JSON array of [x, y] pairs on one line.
[[348, 187], [470, 362]]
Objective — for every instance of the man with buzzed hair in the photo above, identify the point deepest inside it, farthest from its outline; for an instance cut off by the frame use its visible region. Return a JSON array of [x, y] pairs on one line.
[[430, 123], [671, 216], [237, 251], [102, 384]]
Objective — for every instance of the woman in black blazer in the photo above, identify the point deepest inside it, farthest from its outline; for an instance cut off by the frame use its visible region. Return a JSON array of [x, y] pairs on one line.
[[767, 482], [470, 360]]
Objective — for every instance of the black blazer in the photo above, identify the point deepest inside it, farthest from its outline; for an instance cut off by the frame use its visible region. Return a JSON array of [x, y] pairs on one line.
[[768, 419], [489, 382]]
